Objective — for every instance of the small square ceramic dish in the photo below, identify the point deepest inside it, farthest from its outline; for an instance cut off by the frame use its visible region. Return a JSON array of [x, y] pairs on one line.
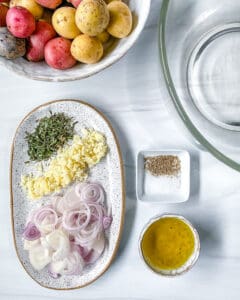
[[163, 188]]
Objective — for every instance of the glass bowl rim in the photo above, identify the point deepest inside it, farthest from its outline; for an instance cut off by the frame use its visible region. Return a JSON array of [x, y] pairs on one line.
[[174, 96]]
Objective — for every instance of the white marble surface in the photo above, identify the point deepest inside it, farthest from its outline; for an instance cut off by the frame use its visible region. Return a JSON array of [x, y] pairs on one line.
[[131, 95]]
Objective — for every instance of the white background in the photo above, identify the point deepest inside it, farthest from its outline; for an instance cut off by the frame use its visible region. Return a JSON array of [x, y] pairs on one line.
[[131, 94]]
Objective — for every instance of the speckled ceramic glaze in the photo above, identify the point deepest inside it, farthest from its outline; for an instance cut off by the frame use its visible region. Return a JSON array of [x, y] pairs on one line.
[[109, 172], [41, 71]]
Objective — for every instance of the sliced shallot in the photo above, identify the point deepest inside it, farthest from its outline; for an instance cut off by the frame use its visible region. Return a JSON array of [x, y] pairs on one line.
[[31, 232], [59, 242], [73, 264], [107, 221], [69, 201], [92, 192], [69, 233], [46, 219], [75, 220], [87, 235], [96, 249], [39, 257]]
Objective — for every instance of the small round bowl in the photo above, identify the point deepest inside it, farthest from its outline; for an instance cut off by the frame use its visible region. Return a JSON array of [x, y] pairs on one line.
[[190, 262], [41, 71]]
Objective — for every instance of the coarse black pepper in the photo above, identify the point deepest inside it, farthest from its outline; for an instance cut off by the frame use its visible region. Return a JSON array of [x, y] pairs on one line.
[[163, 165]]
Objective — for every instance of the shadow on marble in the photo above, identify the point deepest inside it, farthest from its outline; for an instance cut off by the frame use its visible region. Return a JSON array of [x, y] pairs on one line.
[[194, 177], [211, 240], [209, 229]]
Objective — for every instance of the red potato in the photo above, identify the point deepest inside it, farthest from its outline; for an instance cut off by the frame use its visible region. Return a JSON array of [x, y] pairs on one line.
[[3, 14], [20, 22], [57, 54], [52, 4], [37, 41], [75, 3]]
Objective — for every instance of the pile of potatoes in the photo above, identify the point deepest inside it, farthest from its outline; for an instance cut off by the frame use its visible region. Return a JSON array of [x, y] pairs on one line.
[[61, 32]]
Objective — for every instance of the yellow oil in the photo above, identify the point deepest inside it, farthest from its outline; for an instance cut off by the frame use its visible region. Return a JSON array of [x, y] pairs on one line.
[[167, 244]]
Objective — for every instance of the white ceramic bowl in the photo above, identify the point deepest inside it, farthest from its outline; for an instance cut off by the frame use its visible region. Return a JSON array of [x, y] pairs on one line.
[[163, 189], [41, 71]]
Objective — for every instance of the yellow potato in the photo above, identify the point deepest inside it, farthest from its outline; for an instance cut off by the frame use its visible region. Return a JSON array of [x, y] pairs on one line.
[[103, 36], [120, 24], [35, 9], [108, 1], [92, 17], [86, 49], [63, 21]]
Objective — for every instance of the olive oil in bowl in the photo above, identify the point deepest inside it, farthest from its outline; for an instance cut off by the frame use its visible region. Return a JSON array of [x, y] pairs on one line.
[[169, 245]]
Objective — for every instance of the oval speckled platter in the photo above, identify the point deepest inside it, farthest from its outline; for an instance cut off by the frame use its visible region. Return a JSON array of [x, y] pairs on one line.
[[109, 172]]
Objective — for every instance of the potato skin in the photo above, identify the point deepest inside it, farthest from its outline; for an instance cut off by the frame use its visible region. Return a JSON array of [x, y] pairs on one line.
[[52, 4], [10, 46], [108, 1], [103, 37], [57, 54], [35, 9], [92, 17], [86, 49], [120, 24], [36, 42], [75, 3], [63, 21], [20, 22]]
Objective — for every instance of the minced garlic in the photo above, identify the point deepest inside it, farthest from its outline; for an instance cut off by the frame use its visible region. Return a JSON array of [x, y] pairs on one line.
[[71, 163]]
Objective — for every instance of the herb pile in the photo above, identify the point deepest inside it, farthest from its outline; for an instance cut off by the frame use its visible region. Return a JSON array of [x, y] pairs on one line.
[[50, 134]]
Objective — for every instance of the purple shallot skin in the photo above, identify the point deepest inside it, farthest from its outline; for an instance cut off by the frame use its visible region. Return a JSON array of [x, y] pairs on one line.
[[31, 232], [107, 221]]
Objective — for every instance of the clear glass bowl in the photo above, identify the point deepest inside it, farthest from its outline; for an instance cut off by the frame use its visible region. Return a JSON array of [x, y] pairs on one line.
[[200, 57]]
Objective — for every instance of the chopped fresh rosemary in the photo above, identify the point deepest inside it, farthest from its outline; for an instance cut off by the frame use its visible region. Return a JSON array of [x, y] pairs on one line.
[[50, 134]]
